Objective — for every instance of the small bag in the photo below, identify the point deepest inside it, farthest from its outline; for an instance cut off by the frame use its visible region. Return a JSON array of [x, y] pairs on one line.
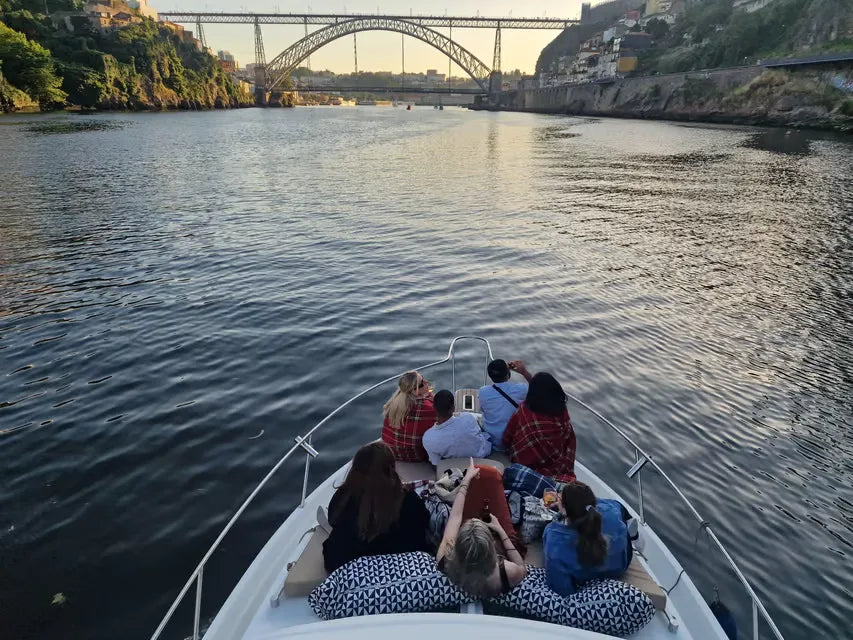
[[536, 517], [447, 486]]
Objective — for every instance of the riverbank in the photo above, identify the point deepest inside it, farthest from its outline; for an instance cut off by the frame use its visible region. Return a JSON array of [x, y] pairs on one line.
[[141, 66], [819, 98]]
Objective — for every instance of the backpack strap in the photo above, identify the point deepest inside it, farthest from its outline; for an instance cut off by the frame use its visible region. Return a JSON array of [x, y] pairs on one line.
[[505, 395]]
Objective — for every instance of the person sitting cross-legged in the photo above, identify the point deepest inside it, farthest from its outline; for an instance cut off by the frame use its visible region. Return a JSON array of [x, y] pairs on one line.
[[483, 558], [452, 436]]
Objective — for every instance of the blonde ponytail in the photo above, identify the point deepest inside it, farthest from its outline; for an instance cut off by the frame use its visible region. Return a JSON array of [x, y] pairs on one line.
[[396, 409]]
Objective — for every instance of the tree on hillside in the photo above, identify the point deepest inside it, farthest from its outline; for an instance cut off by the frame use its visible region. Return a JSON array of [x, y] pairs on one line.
[[657, 28], [38, 6], [29, 66]]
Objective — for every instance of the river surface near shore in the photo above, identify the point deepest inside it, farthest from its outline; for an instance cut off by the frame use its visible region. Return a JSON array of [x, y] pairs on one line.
[[182, 294]]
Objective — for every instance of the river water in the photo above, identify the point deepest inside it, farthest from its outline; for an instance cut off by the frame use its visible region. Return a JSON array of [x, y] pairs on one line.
[[182, 294]]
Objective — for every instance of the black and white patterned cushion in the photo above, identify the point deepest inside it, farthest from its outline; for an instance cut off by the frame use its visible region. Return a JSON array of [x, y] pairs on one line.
[[611, 607], [399, 583]]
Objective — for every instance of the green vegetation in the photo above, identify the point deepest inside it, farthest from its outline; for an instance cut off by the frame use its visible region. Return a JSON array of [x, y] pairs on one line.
[[29, 67], [712, 34], [140, 66]]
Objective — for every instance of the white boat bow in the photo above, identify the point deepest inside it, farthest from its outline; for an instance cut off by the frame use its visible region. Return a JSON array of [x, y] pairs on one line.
[[257, 610]]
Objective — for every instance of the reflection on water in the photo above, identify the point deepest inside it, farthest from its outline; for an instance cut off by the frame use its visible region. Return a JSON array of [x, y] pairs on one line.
[[203, 287], [790, 141]]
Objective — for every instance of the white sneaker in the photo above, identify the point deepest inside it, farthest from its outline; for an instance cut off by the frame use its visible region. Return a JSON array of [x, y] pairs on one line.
[[634, 534]]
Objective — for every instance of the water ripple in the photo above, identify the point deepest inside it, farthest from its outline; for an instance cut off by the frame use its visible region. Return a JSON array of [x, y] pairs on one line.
[[169, 326]]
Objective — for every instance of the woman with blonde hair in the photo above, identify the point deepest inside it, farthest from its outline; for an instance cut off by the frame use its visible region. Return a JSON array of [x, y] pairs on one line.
[[468, 552], [407, 416]]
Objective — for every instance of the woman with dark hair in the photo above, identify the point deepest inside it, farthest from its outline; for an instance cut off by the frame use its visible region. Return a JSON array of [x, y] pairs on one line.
[[371, 513], [592, 543], [540, 434]]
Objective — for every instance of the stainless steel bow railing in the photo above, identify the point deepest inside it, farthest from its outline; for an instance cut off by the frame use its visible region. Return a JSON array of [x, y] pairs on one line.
[[304, 442]]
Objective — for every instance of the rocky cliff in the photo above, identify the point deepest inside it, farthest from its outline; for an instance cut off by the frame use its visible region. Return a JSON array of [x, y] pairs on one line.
[[819, 98], [140, 66]]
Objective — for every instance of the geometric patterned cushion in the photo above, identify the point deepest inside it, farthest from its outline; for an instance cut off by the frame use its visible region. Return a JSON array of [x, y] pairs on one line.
[[395, 583], [611, 607]]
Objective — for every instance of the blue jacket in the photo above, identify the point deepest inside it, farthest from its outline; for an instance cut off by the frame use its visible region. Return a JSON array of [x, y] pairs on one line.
[[564, 571]]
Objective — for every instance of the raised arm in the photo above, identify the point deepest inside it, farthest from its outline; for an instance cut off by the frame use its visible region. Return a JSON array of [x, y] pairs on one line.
[[519, 367], [454, 521]]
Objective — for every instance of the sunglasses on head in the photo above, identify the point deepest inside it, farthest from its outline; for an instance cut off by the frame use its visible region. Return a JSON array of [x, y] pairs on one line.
[[423, 383]]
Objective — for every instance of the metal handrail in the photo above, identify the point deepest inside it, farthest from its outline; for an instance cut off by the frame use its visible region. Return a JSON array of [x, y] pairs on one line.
[[304, 442], [301, 442], [644, 458]]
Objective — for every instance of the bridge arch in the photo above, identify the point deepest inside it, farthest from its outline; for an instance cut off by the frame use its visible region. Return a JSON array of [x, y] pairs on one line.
[[286, 62]]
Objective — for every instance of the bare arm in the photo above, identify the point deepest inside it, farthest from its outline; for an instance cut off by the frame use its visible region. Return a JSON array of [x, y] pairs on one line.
[[454, 521], [519, 367], [512, 553]]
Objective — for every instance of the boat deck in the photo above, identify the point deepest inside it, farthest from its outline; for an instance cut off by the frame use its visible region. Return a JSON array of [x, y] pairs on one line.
[[250, 614]]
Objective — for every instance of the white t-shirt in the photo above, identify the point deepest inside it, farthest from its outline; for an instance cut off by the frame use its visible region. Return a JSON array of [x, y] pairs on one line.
[[458, 437], [497, 410]]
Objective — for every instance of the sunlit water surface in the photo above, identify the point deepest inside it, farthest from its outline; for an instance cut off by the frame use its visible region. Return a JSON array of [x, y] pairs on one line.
[[175, 285]]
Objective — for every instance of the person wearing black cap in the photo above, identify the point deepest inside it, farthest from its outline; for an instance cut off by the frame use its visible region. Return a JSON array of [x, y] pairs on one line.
[[499, 401]]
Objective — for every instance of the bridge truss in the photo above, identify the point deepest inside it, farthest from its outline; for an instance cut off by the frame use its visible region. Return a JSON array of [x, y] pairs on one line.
[[461, 22], [280, 68]]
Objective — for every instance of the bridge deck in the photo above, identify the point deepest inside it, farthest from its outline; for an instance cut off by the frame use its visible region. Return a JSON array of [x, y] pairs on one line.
[[401, 90], [460, 22]]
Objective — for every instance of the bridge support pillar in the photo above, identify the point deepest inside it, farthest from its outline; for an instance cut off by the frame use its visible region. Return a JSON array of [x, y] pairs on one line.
[[495, 82], [260, 85], [275, 100]]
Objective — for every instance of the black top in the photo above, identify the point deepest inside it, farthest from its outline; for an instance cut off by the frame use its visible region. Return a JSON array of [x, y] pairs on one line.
[[407, 534]]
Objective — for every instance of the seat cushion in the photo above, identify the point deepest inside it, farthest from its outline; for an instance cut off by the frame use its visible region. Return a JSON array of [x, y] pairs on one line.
[[462, 463], [410, 472], [501, 458], [399, 583], [611, 607], [640, 578], [308, 571]]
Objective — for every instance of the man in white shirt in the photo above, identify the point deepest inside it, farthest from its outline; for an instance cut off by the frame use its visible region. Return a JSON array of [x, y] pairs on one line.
[[452, 436], [500, 400]]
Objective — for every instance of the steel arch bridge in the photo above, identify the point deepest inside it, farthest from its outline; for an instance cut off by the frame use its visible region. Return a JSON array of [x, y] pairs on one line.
[[280, 68]]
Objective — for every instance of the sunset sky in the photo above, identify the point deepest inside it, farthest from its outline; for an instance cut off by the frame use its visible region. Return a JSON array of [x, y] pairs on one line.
[[380, 51]]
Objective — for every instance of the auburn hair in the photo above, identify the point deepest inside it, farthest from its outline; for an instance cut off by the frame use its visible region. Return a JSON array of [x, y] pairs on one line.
[[373, 484]]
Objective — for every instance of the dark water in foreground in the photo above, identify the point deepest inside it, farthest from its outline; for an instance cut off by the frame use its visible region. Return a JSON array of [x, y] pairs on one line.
[[172, 285]]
